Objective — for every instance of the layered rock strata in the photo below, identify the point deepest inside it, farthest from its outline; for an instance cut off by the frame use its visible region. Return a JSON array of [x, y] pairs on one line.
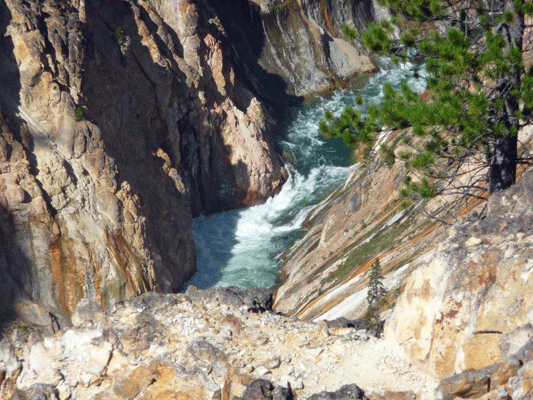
[[325, 274]]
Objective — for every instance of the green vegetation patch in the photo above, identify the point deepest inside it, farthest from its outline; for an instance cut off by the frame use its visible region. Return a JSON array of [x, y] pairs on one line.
[[78, 114], [119, 36], [361, 254], [279, 5], [350, 33]]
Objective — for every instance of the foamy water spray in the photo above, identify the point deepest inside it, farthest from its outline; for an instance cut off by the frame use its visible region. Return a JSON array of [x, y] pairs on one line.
[[241, 247]]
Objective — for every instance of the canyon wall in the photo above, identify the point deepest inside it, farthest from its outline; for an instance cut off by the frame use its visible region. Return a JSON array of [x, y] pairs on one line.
[[297, 47], [120, 121], [459, 301], [110, 146]]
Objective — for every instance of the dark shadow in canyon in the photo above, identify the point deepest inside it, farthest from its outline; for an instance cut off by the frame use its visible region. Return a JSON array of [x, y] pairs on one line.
[[17, 278], [214, 240], [9, 73], [14, 270], [242, 22], [12, 261], [124, 88], [7, 282]]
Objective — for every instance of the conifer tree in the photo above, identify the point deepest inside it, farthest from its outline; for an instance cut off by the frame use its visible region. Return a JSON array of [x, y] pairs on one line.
[[464, 136], [374, 297]]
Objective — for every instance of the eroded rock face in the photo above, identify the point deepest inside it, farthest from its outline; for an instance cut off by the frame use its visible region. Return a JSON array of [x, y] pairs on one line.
[[474, 290], [296, 47], [174, 346], [325, 274], [110, 144]]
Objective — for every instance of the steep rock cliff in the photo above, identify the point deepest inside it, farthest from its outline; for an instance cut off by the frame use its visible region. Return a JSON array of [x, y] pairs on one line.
[[324, 275], [473, 292], [297, 47], [123, 119], [119, 121]]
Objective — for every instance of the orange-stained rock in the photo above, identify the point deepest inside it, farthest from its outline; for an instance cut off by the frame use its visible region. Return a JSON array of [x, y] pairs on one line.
[[108, 149], [478, 286]]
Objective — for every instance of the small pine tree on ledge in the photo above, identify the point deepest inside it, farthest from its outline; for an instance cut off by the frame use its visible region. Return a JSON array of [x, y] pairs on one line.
[[375, 296]]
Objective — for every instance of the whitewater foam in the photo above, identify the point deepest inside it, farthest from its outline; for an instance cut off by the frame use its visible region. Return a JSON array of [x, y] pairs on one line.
[[241, 248]]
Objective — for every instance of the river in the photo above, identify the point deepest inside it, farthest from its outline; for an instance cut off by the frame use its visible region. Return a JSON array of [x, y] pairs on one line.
[[242, 247]]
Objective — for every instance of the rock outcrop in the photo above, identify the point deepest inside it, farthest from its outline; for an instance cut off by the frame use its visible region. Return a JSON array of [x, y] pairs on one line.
[[473, 292], [202, 347], [297, 47], [181, 347], [119, 121], [511, 378]]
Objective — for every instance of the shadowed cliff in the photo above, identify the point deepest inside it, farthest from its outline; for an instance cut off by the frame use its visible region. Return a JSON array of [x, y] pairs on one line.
[[109, 146], [246, 36], [289, 50]]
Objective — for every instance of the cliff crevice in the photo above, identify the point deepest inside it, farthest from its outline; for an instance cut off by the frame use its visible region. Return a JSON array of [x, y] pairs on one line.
[[120, 122]]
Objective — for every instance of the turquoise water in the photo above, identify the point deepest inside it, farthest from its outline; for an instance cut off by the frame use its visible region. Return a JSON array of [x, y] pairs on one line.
[[242, 247]]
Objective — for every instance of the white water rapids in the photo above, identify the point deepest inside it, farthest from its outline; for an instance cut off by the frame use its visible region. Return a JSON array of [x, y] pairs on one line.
[[242, 247]]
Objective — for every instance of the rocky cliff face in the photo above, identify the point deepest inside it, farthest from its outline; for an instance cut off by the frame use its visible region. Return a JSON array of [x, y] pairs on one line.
[[473, 291], [297, 47], [119, 121], [324, 275]]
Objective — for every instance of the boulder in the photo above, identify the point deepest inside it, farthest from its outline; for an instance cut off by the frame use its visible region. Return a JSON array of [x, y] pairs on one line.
[[87, 312], [261, 389], [389, 395], [473, 291], [346, 392], [36, 392]]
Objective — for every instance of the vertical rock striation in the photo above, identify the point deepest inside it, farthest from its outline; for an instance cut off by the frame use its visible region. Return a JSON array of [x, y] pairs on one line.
[[296, 47], [120, 120]]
